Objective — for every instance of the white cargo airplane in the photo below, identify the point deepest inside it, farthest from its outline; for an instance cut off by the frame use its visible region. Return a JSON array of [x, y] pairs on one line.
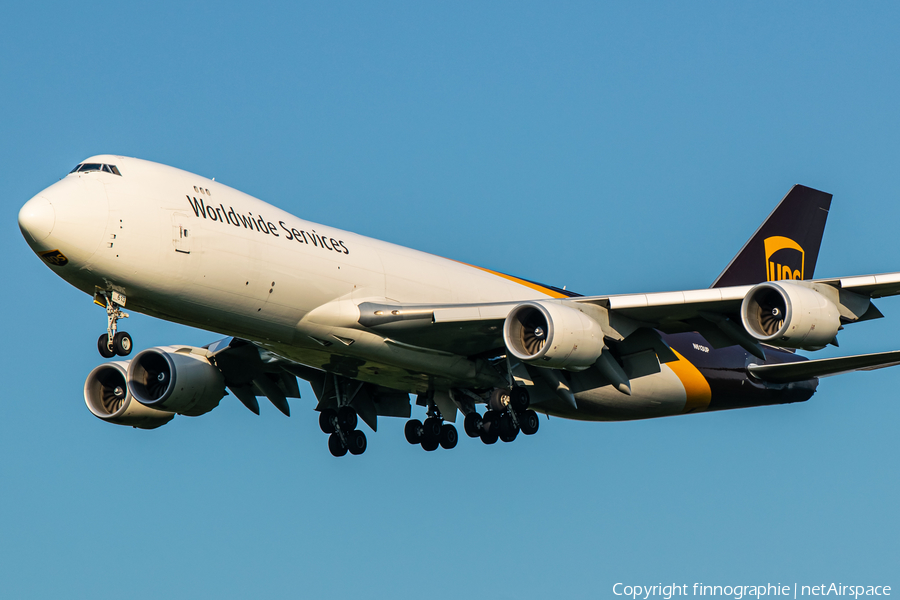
[[367, 322]]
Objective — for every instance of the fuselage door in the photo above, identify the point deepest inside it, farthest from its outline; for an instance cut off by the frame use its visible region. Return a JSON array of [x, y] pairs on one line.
[[181, 236]]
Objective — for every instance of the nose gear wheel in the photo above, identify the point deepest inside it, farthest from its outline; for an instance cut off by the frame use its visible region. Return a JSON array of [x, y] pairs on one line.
[[113, 342]]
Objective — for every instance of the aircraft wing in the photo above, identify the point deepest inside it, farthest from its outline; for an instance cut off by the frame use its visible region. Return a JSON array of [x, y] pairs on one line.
[[662, 307], [873, 286], [474, 329], [824, 367], [466, 329], [251, 371]]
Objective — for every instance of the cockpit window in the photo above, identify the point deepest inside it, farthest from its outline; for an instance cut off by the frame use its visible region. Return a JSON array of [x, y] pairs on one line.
[[86, 167]]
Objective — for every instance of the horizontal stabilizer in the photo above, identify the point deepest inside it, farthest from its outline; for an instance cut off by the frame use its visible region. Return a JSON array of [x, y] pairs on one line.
[[824, 367]]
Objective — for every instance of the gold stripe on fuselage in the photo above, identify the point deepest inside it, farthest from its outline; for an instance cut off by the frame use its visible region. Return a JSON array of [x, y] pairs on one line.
[[535, 286], [696, 388]]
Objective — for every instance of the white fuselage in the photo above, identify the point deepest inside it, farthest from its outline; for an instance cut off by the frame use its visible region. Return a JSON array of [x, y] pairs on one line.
[[191, 250]]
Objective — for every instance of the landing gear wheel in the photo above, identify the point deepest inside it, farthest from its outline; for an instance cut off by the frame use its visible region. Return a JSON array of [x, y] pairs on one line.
[[122, 344], [429, 445], [449, 437], [499, 399], [357, 441], [489, 437], [103, 347], [336, 446], [519, 399], [413, 431], [529, 422], [472, 424], [432, 427], [326, 420], [490, 422], [508, 430], [509, 437], [346, 418]]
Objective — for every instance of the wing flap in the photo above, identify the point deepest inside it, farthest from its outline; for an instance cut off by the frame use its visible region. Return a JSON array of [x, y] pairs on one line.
[[824, 367]]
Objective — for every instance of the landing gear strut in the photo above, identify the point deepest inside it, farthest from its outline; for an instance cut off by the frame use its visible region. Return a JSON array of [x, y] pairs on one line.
[[113, 343], [341, 424], [433, 432]]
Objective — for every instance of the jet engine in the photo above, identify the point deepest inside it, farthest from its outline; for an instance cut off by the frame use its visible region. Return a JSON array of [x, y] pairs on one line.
[[790, 316], [107, 396], [175, 380], [552, 335]]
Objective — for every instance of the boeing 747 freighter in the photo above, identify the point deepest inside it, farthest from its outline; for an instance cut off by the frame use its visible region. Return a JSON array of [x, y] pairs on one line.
[[368, 323]]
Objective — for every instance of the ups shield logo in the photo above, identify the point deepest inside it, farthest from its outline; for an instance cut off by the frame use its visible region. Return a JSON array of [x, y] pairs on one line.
[[785, 259], [55, 258]]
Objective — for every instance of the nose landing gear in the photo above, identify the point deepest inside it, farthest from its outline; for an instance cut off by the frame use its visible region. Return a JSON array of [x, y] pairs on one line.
[[113, 343]]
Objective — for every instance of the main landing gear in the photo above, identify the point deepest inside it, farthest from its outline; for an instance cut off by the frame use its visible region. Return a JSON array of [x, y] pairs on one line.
[[341, 424], [507, 415], [113, 343], [433, 432]]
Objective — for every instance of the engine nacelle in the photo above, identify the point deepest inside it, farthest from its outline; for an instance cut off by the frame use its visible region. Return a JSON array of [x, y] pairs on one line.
[[176, 381], [790, 315], [552, 335], [107, 396]]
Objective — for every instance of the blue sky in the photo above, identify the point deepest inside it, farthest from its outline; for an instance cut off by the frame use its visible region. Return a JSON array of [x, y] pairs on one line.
[[606, 147]]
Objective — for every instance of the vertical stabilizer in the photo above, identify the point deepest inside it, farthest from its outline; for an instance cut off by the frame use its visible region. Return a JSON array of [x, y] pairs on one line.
[[786, 246]]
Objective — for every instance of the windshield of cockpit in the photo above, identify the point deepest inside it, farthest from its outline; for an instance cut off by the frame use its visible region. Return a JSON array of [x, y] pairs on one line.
[[85, 167]]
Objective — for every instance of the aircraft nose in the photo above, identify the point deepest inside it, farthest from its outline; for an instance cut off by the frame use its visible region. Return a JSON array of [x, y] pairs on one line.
[[70, 217], [37, 218]]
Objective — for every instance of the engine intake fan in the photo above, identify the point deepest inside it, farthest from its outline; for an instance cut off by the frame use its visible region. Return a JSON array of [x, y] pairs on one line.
[[790, 316], [108, 398], [553, 335], [179, 381]]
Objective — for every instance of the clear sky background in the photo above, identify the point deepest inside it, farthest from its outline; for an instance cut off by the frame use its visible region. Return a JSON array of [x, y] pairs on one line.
[[610, 148]]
